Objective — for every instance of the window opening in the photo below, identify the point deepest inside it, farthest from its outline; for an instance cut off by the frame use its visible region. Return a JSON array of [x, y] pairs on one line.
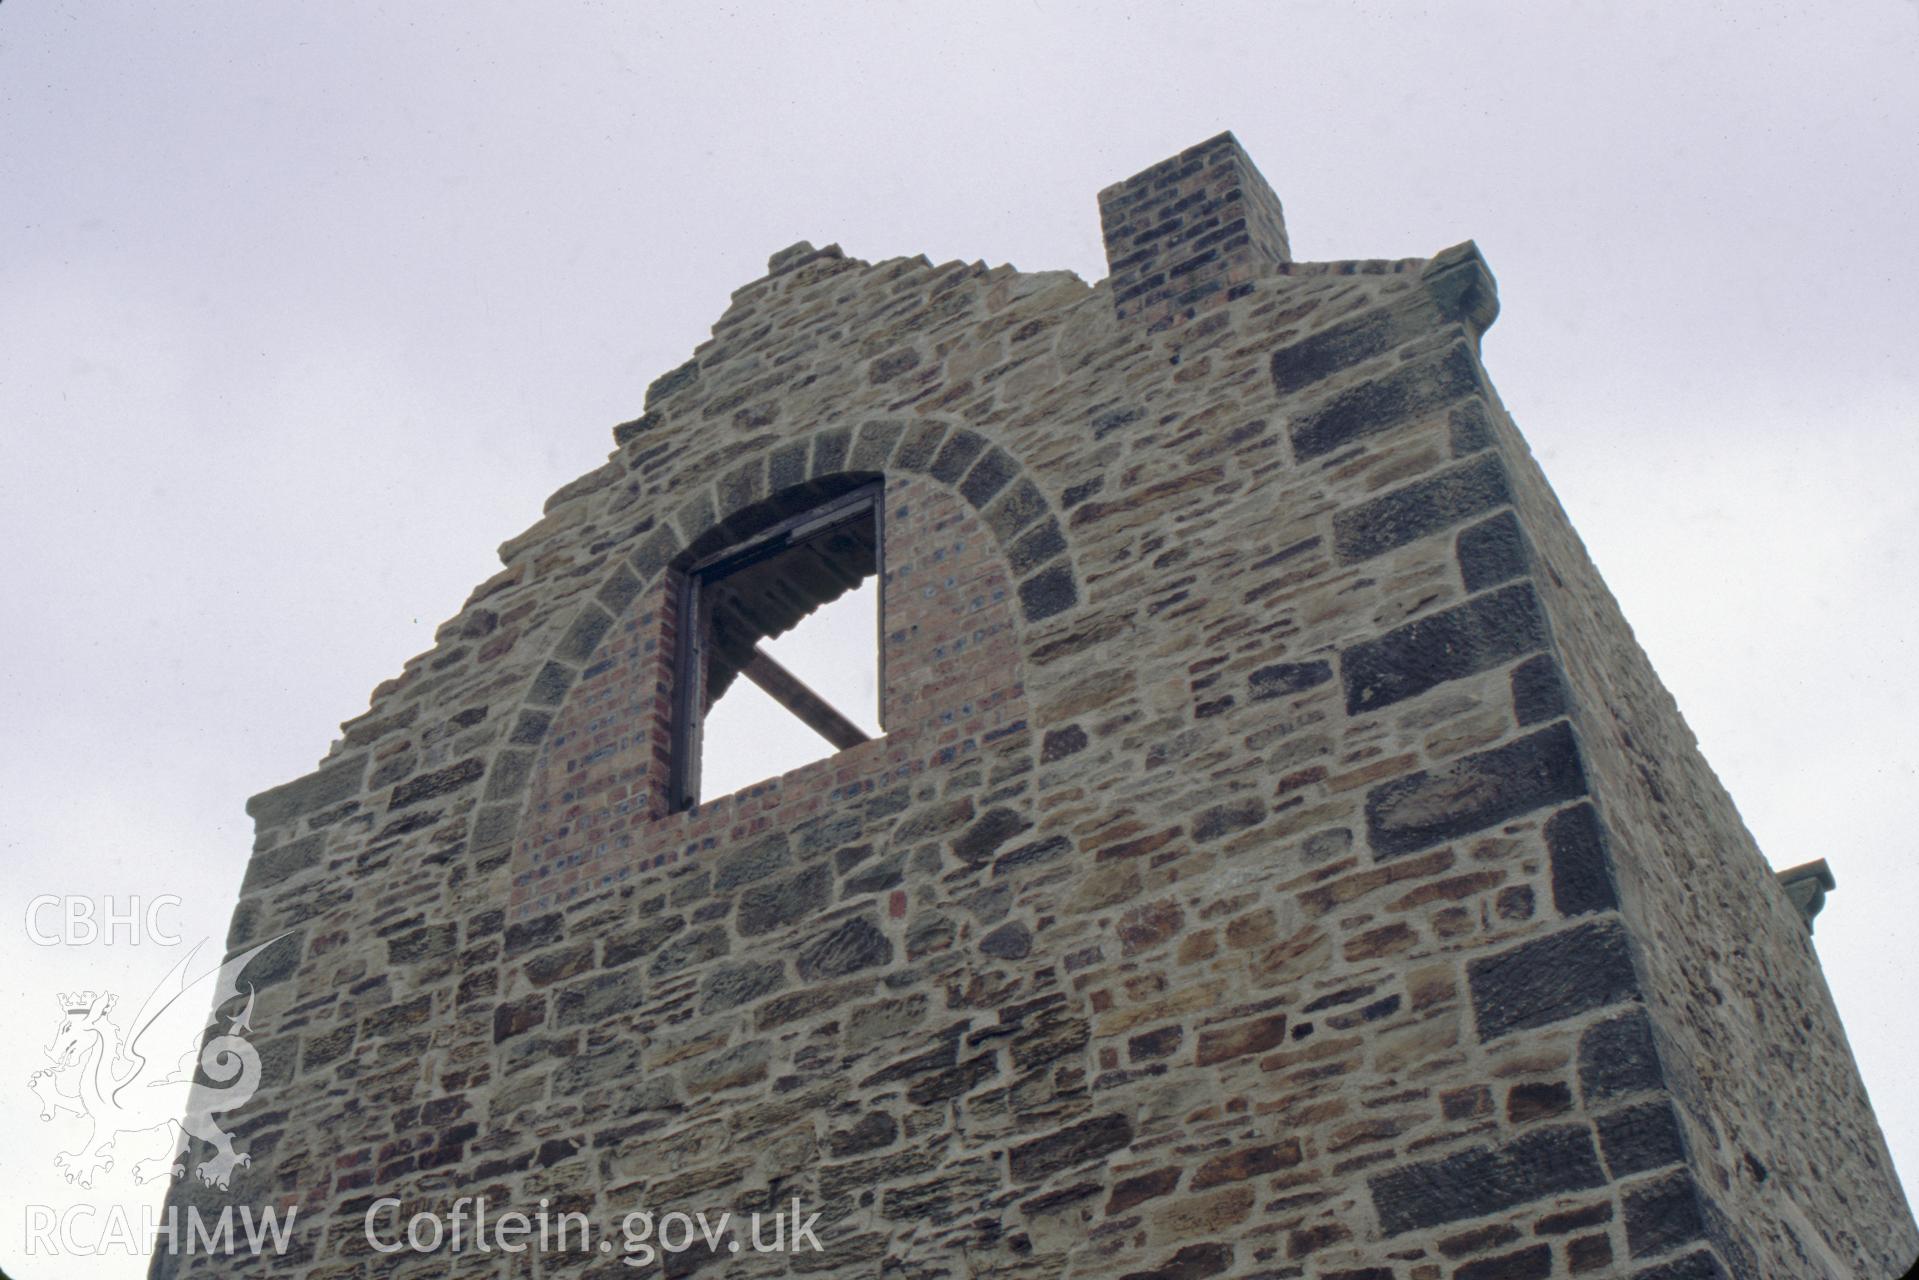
[[779, 649]]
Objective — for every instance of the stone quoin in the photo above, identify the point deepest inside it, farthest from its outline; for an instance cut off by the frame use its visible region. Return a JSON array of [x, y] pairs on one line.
[[1279, 859]]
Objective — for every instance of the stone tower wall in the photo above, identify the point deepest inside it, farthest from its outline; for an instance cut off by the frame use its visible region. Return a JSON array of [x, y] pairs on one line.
[[1751, 1043], [1233, 893]]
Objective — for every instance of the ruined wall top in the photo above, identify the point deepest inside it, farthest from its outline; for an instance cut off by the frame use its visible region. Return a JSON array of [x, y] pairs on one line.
[[1269, 850]]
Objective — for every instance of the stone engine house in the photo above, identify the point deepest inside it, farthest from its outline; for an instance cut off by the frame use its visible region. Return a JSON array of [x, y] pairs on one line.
[[1279, 859]]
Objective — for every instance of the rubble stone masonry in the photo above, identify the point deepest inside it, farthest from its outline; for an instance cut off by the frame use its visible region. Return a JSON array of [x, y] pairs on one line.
[[1280, 860]]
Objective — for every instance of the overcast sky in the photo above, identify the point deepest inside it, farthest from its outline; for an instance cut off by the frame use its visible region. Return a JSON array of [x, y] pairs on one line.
[[304, 309]]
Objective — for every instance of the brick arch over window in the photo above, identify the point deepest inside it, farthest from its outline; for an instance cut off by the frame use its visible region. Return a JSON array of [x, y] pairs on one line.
[[578, 792]]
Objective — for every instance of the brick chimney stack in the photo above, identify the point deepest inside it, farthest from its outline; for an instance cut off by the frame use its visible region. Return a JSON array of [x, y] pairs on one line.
[[1189, 233]]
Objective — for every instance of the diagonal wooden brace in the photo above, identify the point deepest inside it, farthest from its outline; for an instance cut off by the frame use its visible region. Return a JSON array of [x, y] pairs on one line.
[[791, 692]]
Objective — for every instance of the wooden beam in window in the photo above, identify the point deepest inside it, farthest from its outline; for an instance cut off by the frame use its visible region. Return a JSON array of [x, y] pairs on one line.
[[815, 712]]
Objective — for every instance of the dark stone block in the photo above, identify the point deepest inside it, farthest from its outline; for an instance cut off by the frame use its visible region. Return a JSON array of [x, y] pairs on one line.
[[1462, 286], [1538, 692], [669, 383], [529, 935], [244, 925], [438, 783], [1492, 551], [874, 1130], [1694, 1266], [559, 963], [627, 432], [1011, 941], [1060, 743], [1582, 869], [530, 728], [1388, 402], [1088, 1140], [690, 949], [428, 942], [1532, 1263], [1222, 1044], [1044, 1036], [944, 1054], [885, 874], [854, 945], [1031, 854], [766, 907], [279, 1063], [511, 770], [495, 825], [584, 635], [327, 785], [1484, 632], [1474, 792], [1568, 1220], [1663, 1214], [1018, 507], [604, 995], [1225, 819], [320, 1050], [1330, 350], [1107, 421], [1035, 547], [520, 1016], [1470, 427], [1535, 1100], [891, 365], [805, 1003], [1618, 1057], [1194, 1262], [741, 488], [1065, 1197], [829, 450], [956, 455], [1588, 1253], [954, 1082], [873, 447], [1283, 678], [550, 686], [1049, 592], [1155, 1044], [916, 451], [653, 555], [1081, 492], [976, 845], [786, 469], [755, 860], [273, 866], [993, 472], [697, 516], [1423, 507], [554, 1150], [1483, 1180], [1128, 1192], [827, 831], [1478, 1240], [1245, 1163], [731, 985], [328, 817], [932, 820], [1638, 1138], [1552, 978], [276, 962]]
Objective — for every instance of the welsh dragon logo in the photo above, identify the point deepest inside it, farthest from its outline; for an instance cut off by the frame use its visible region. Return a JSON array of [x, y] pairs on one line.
[[144, 1081]]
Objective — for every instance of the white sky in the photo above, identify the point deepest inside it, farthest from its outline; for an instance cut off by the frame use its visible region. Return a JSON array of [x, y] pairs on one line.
[[305, 308]]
